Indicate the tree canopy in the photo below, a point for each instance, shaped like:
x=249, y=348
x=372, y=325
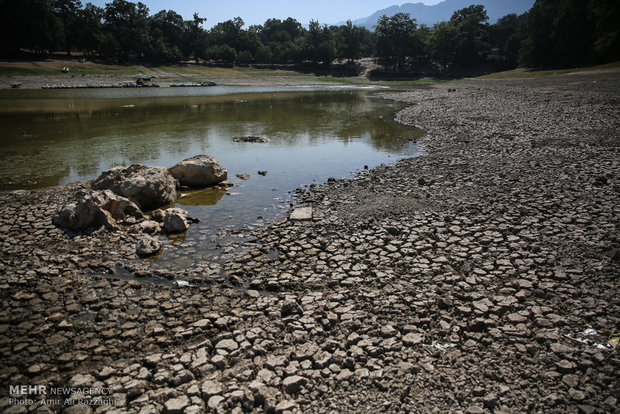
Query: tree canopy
x=553, y=33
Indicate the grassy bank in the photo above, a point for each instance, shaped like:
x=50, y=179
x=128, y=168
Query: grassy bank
x=526, y=73
x=54, y=67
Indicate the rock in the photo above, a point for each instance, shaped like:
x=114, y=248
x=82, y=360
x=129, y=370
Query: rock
x=301, y=214
x=475, y=409
x=262, y=172
x=210, y=388
x=148, y=187
x=293, y=383
x=148, y=246
x=228, y=345
x=565, y=367
x=147, y=226
x=244, y=176
x=254, y=139
x=176, y=405
x=81, y=380
x=285, y=405
x=199, y=171
x=413, y=339
x=175, y=221
x=96, y=209
x=215, y=403
x=289, y=308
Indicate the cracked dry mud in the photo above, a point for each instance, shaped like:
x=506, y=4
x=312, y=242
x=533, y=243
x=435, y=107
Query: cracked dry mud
x=479, y=277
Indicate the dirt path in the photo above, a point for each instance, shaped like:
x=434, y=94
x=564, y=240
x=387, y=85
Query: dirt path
x=479, y=277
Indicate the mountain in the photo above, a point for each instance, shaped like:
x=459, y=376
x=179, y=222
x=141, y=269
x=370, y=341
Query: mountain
x=429, y=15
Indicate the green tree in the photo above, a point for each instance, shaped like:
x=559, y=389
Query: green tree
x=606, y=40
x=349, y=41
x=222, y=54
x=505, y=37
x=28, y=24
x=472, y=30
x=128, y=23
x=442, y=44
x=167, y=36
x=319, y=45
x=68, y=13
x=195, y=38
x=396, y=40
x=90, y=28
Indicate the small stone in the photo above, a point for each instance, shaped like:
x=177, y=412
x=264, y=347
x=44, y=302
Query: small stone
x=576, y=394
x=565, y=367
x=301, y=214
x=227, y=345
x=293, y=383
x=148, y=246
x=285, y=405
x=176, y=405
x=210, y=388
x=81, y=380
x=413, y=339
x=215, y=402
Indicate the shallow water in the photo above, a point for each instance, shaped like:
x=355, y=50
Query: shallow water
x=55, y=137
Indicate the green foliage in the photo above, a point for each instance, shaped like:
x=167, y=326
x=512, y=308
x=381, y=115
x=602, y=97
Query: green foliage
x=560, y=33
x=554, y=33
x=222, y=54
x=397, y=42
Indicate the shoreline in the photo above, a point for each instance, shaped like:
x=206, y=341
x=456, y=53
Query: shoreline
x=463, y=279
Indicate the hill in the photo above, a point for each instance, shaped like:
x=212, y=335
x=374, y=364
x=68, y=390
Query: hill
x=430, y=15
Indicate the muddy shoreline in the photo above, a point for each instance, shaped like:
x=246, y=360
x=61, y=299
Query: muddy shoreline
x=479, y=277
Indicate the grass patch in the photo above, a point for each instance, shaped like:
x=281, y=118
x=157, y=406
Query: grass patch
x=366, y=81
x=522, y=73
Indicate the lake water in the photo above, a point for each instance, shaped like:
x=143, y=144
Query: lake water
x=52, y=137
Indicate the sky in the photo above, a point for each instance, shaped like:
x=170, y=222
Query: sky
x=257, y=11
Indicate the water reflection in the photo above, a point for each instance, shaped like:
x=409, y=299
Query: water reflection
x=206, y=197
x=60, y=140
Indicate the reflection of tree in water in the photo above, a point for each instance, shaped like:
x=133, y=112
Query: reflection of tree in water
x=76, y=141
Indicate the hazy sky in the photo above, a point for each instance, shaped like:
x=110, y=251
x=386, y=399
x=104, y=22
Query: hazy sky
x=257, y=11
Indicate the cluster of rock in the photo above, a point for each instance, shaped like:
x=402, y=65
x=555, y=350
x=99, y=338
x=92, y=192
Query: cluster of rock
x=120, y=196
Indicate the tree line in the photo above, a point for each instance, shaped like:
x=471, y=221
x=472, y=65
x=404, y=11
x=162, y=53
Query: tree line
x=552, y=33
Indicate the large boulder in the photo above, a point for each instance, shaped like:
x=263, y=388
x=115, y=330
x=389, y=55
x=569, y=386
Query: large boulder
x=95, y=209
x=148, y=187
x=199, y=171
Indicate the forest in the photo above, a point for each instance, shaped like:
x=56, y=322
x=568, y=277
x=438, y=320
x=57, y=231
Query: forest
x=553, y=34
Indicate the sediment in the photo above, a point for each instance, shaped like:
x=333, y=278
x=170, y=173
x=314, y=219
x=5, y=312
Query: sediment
x=479, y=277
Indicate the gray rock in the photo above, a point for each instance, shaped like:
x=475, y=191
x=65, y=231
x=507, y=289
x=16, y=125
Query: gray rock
x=95, y=209
x=81, y=380
x=148, y=246
x=147, y=226
x=176, y=405
x=148, y=187
x=175, y=221
x=210, y=388
x=199, y=171
x=413, y=339
x=227, y=345
x=301, y=214
x=285, y=405
x=293, y=383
